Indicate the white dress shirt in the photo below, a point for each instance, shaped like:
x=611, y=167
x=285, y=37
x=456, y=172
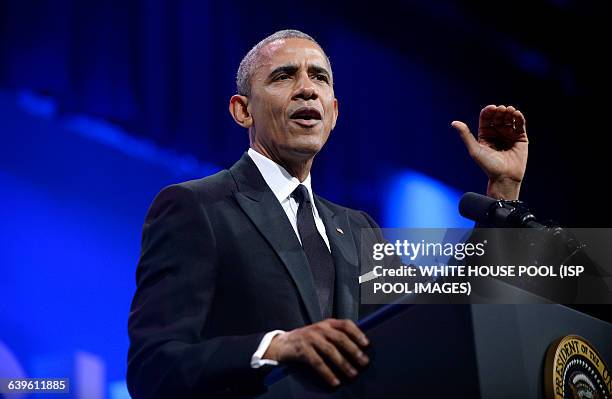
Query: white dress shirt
x=282, y=185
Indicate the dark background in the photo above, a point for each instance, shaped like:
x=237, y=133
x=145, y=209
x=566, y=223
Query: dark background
x=165, y=70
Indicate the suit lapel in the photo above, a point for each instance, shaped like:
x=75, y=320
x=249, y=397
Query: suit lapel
x=344, y=253
x=261, y=206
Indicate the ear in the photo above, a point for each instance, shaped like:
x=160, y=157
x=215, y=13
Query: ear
x=238, y=107
x=335, y=113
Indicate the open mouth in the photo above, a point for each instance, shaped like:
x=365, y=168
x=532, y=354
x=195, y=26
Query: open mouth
x=306, y=116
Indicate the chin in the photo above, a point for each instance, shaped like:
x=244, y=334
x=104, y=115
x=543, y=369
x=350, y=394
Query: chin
x=305, y=150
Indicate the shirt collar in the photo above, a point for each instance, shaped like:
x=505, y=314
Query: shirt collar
x=278, y=179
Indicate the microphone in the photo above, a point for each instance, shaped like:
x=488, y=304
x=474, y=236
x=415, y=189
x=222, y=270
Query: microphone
x=551, y=245
x=497, y=213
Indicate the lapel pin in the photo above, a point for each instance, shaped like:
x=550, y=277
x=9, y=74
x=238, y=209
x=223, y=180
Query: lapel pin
x=339, y=230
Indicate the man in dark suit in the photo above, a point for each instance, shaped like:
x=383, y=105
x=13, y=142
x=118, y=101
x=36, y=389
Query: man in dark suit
x=248, y=268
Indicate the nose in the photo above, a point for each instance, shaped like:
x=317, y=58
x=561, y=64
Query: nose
x=305, y=88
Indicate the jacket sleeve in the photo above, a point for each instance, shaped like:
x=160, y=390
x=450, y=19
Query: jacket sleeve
x=175, y=286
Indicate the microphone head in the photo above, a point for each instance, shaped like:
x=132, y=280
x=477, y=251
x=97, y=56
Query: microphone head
x=475, y=207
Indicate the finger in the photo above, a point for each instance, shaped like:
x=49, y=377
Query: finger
x=317, y=363
x=487, y=114
x=344, y=342
x=331, y=353
x=350, y=328
x=500, y=113
x=519, y=122
x=468, y=138
x=509, y=116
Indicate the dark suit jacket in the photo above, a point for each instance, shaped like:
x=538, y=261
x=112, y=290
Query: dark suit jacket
x=220, y=266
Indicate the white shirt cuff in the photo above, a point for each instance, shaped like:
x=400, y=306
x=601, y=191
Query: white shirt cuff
x=256, y=359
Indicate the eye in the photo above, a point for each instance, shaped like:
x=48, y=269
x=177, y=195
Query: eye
x=282, y=76
x=322, y=77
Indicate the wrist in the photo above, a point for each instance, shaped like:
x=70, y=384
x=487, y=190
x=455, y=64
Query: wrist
x=506, y=188
x=272, y=352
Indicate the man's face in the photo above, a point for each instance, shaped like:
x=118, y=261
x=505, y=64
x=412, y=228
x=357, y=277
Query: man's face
x=292, y=100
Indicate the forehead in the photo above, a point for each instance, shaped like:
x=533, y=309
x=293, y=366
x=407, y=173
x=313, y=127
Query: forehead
x=291, y=51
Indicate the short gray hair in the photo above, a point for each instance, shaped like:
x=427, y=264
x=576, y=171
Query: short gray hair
x=250, y=60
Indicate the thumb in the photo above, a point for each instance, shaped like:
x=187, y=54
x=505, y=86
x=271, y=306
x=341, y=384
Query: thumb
x=468, y=138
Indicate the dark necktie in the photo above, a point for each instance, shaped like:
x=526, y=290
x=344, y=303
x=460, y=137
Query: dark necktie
x=319, y=258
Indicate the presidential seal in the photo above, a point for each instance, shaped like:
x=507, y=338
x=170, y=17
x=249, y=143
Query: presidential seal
x=575, y=370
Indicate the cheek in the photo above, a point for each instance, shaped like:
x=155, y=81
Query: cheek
x=329, y=115
x=328, y=104
x=275, y=109
x=265, y=117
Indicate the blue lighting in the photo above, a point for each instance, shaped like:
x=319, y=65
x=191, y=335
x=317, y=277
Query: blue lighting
x=417, y=200
x=73, y=195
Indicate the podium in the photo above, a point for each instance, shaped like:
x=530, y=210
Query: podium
x=458, y=351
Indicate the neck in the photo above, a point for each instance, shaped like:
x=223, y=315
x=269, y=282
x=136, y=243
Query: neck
x=297, y=167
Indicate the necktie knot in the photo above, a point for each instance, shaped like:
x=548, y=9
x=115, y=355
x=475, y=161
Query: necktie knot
x=301, y=194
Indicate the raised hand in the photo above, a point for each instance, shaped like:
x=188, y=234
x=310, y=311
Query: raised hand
x=500, y=150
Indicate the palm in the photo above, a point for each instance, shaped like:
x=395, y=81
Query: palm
x=501, y=148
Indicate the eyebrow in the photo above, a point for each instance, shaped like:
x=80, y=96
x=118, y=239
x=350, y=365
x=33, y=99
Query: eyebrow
x=291, y=69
